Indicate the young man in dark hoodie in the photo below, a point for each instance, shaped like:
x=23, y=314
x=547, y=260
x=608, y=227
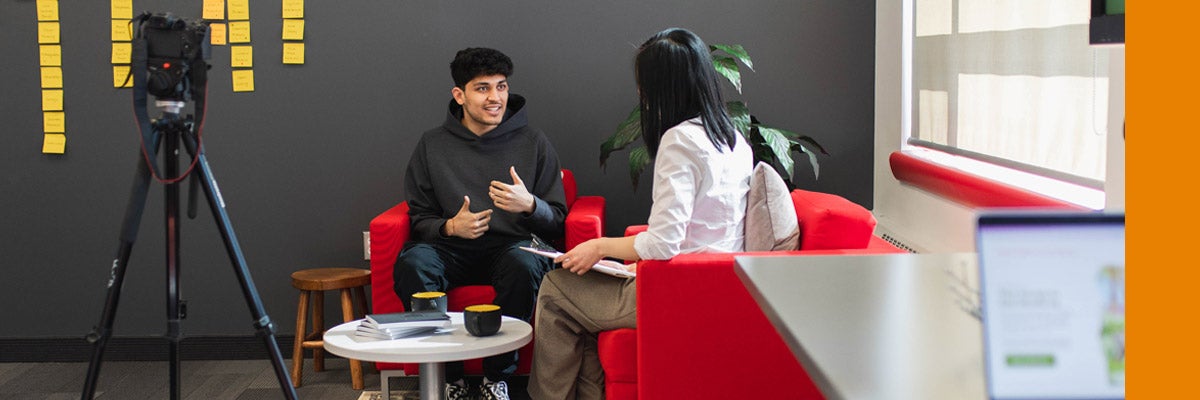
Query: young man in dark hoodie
x=477, y=187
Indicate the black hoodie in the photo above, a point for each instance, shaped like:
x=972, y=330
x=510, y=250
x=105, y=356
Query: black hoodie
x=450, y=162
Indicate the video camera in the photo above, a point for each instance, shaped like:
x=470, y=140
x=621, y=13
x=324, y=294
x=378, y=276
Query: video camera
x=173, y=47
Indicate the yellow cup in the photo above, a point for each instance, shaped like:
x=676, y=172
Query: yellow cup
x=428, y=301
x=482, y=319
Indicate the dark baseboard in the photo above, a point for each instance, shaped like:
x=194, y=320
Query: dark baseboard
x=142, y=349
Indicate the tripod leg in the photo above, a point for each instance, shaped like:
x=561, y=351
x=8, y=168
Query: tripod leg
x=174, y=334
x=262, y=323
x=129, y=228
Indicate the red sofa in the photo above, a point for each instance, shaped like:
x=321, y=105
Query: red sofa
x=389, y=231
x=700, y=334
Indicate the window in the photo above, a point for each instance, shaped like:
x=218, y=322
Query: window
x=1013, y=83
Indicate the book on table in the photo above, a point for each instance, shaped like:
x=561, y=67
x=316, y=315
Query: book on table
x=394, y=333
x=407, y=319
x=398, y=325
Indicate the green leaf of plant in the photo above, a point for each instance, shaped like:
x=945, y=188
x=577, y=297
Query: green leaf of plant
x=627, y=132
x=812, y=158
x=639, y=158
x=735, y=50
x=728, y=68
x=780, y=145
x=740, y=116
x=803, y=138
x=812, y=142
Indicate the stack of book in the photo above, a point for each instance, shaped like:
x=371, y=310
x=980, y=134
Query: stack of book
x=398, y=325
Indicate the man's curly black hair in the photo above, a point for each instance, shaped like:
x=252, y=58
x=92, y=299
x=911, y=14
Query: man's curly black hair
x=476, y=61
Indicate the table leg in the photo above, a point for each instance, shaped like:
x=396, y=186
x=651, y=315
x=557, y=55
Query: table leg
x=433, y=376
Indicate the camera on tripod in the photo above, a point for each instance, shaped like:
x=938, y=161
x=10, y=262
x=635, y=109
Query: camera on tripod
x=173, y=47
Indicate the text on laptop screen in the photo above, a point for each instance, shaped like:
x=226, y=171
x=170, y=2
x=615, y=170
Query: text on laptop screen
x=1053, y=302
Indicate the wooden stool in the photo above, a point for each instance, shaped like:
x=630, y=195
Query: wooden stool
x=315, y=282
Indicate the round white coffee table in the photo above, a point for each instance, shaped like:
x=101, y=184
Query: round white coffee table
x=430, y=351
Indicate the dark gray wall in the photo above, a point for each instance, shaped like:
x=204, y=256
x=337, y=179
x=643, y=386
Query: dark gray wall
x=317, y=150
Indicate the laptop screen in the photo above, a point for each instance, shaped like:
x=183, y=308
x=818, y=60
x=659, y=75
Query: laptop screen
x=1052, y=291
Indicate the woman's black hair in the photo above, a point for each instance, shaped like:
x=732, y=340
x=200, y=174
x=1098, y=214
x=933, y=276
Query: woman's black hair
x=676, y=82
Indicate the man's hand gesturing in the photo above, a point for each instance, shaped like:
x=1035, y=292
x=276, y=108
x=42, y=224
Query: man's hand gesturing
x=513, y=198
x=466, y=224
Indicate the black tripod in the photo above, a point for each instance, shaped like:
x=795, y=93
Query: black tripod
x=169, y=131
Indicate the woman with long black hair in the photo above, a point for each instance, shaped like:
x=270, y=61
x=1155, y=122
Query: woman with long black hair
x=701, y=181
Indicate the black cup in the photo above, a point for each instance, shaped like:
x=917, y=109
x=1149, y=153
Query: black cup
x=428, y=301
x=482, y=319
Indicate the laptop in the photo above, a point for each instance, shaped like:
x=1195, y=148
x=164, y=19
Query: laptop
x=1052, y=299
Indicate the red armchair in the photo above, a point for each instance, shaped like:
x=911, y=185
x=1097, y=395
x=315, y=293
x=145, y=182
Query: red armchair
x=700, y=334
x=389, y=231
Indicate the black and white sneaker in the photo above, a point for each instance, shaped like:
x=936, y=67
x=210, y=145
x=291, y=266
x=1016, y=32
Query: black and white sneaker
x=494, y=390
x=456, y=391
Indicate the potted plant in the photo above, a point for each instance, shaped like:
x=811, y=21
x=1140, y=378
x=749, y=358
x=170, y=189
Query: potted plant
x=771, y=145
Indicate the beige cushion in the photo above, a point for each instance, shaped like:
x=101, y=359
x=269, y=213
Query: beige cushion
x=771, y=222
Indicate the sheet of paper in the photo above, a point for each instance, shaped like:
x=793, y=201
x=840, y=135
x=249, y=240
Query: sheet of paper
x=52, y=100
x=606, y=267
x=50, y=55
x=52, y=78
x=120, y=30
x=47, y=10
x=239, y=32
x=122, y=52
x=243, y=80
x=54, y=143
x=122, y=9
x=293, y=8
x=54, y=121
x=213, y=9
x=217, y=34
x=293, y=29
x=293, y=53
x=239, y=10
x=48, y=32
x=241, y=56
x=121, y=77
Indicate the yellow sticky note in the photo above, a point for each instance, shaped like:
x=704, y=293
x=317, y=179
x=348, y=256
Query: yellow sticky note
x=54, y=121
x=52, y=78
x=239, y=10
x=243, y=80
x=293, y=8
x=239, y=32
x=121, y=77
x=120, y=30
x=214, y=9
x=54, y=143
x=51, y=55
x=52, y=100
x=121, y=52
x=217, y=34
x=293, y=53
x=47, y=10
x=293, y=29
x=241, y=56
x=48, y=32
x=122, y=9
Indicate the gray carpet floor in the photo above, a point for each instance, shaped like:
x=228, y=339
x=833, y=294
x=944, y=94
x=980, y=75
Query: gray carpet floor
x=201, y=380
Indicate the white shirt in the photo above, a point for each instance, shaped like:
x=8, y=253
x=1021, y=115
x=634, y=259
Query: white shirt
x=700, y=195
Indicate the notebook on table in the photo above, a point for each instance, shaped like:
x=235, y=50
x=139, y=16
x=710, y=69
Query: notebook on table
x=1052, y=299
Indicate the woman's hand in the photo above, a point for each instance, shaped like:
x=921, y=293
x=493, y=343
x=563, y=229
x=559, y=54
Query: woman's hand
x=581, y=258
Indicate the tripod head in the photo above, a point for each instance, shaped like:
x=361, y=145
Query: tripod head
x=169, y=62
x=176, y=50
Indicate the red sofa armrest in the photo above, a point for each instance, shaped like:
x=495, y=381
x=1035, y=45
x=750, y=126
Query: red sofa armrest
x=585, y=220
x=696, y=319
x=831, y=222
x=388, y=232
